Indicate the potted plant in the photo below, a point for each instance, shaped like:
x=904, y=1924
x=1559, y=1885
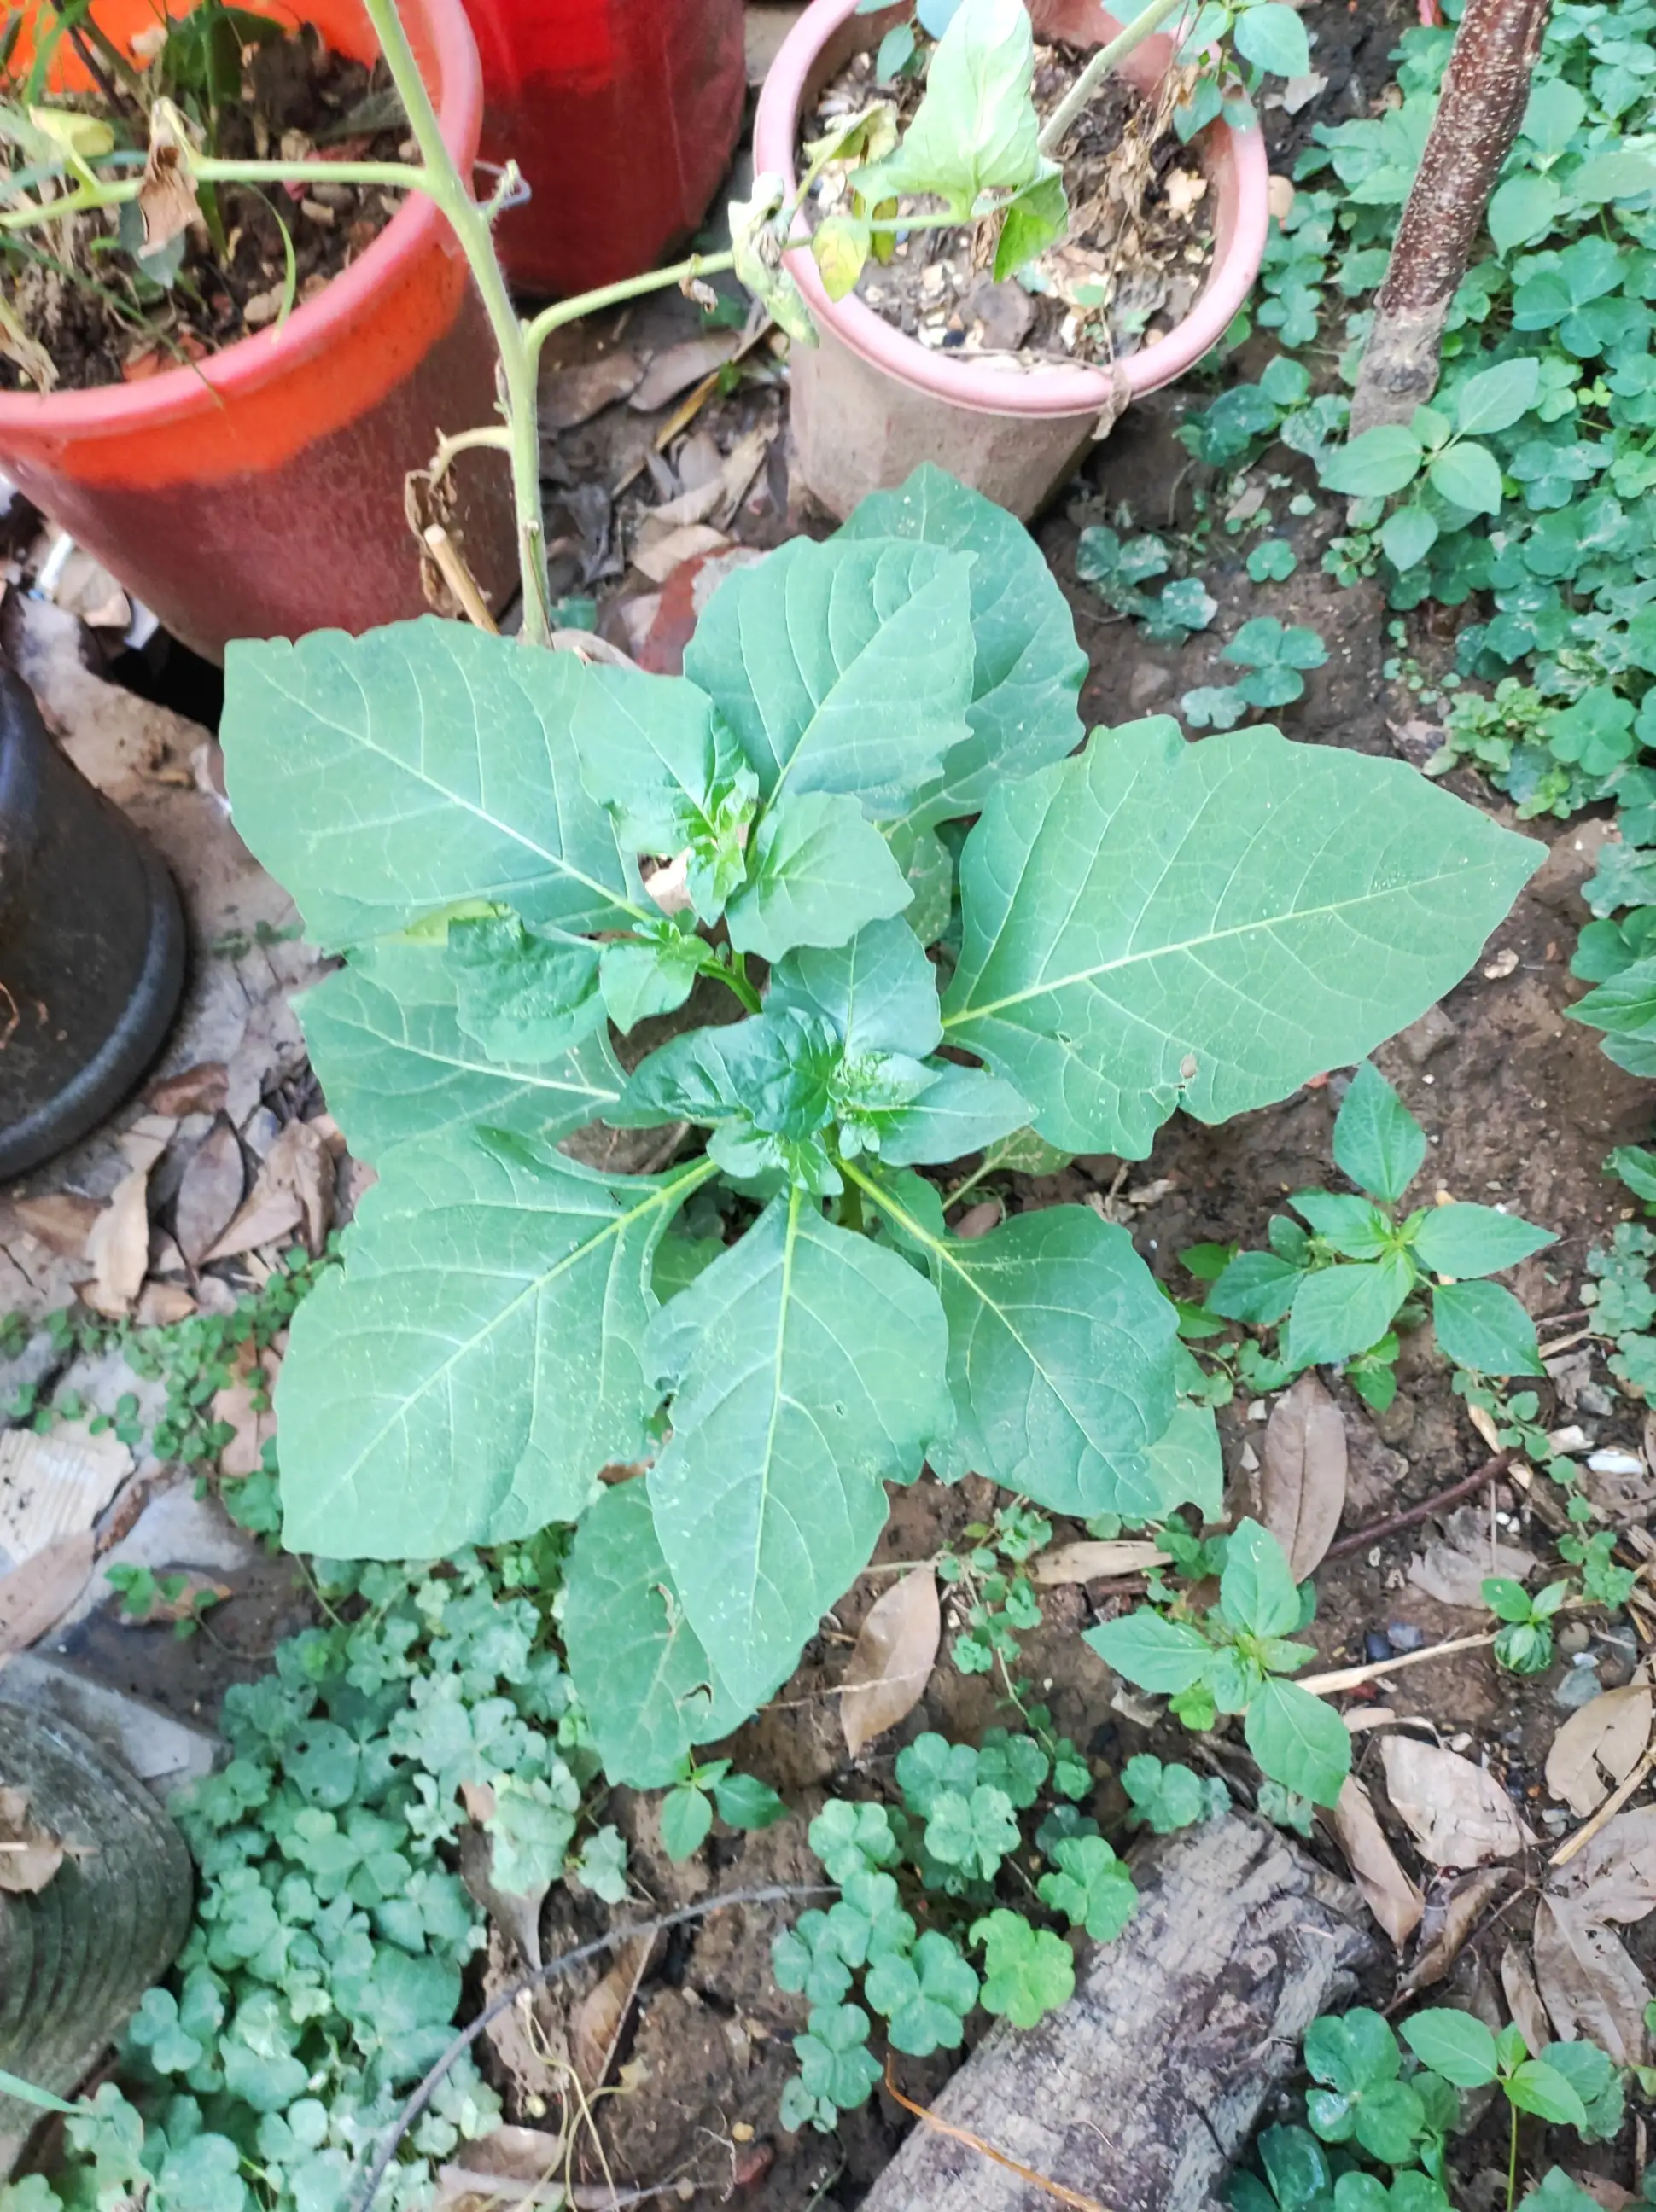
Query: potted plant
x=870, y=404
x=259, y=490
x=626, y=110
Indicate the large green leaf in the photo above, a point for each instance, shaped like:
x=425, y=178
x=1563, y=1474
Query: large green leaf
x=381, y=778
x=806, y=1371
x=1062, y=1354
x=842, y=667
x=960, y=1110
x=975, y=129
x=1157, y=923
x=644, y=1678
x=879, y=991
x=820, y=870
x=386, y=1042
x=478, y=1360
x=1029, y=669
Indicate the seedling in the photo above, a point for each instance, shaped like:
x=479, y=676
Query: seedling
x=1236, y=1658
x=1525, y=1644
x=1117, y=569
x=1274, y=655
x=1359, y=1265
x=687, y=1814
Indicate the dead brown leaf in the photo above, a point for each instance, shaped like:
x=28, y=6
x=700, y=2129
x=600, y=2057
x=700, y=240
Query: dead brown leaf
x=657, y=557
x=34, y=1597
x=167, y=196
x=1448, y=1924
x=210, y=1193
x=1589, y=1985
x=1523, y=1999
x=1302, y=1484
x=1092, y=1561
x=573, y=396
x=143, y=1144
x=293, y=1190
x=252, y=1378
x=118, y=1245
x=1459, y=1815
x=63, y=1221
x=678, y=366
x=1598, y=1746
x=595, y=2028
x=1613, y=1877
x=1452, y=1569
x=200, y=1089
x=29, y=1855
x=513, y=2165
x=891, y=1662
x=162, y=1304
x=1395, y=1901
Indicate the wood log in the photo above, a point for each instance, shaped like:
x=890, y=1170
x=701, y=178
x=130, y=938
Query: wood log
x=1142, y=2089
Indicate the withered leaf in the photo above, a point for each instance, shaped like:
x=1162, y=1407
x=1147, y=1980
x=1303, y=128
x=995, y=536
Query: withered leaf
x=1459, y=1815
x=598, y=2019
x=1303, y=1484
x=1613, y=1877
x=1524, y=2000
x=34, y=1597
x=29, y=1855
x=167, y=196
x=1395, y=1901
x=1448, y=1923
x=893, y=1660
x=1452, y=1569
x=293, y=1191
x=1092, y=1560
x=62, y=1221
x=1589, y=1985
x=199, y=1090
x=1598, y=1746
x=118, y=1245
x=210, y=1193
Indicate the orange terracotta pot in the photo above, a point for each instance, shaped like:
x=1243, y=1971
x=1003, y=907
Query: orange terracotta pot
x=259, y=493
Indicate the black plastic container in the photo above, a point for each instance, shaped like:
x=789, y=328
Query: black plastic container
x=92, y=945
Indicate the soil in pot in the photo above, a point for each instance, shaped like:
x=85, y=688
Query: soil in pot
x=1136, y=257
x=93, y=308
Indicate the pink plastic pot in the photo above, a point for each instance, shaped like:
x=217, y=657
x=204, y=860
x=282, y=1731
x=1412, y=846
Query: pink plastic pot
x=870, y=404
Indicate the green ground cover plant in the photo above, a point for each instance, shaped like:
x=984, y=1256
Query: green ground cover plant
x=324, y=1970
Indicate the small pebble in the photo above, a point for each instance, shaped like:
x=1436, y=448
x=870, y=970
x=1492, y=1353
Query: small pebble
x=1573, y=1636
x=1617, y=1462
x=1580, y=1686
x=1404, y=1636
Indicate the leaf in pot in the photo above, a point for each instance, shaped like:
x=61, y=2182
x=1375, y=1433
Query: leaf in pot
x=1149, y=874
x=892, y=1659
x=799, y=1334
x=975, y=130
x=385, y=1038
x=459, y=755
x=1303, y=1481
x=417, y=1397
x=844, y=667
x=1027, y=668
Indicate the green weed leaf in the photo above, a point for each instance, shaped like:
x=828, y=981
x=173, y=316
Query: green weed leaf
x=1153, y=1653
x=1027, y=1971
x=1299, y=1740
x=1092, y=1888
x=975, y=130
x=1339, y=1312
x=1376, y=463
x=1377, y=1141
x=1477, y=1240
x=925, y=1998
x=820, y=870
x=1455, y=2044
x=1483, y=1327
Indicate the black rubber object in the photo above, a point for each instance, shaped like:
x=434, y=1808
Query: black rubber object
x=92, y=945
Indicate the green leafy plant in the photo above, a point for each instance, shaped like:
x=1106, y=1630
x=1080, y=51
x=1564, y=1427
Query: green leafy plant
x=1524, y=1644
x=176, y=1597
x=1337, y=1285
x=1000, y=1601
x=324, y=1967
x=741, y=1801
x=1274, y=656
x=961, y=1828
x=1378, y=2103
x=1236, y=1658
x=1117, y=569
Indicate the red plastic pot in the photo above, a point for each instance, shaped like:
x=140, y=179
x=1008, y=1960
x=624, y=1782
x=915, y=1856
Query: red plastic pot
x=622, y=116
x=870, y=404
x=259, y=493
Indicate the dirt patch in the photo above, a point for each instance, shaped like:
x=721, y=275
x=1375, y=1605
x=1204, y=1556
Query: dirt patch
x=104, y=317
x=1135, y=257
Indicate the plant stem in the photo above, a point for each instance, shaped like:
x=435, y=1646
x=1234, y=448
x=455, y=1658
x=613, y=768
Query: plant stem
x=549, y=320
x=443, y=180
x=850, y=1208
x=1057, y=124
x=1511, y=2162
x=736, y=977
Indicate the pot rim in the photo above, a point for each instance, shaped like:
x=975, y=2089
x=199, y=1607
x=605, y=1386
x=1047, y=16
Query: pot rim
x=316, y=326
x=1041, y=391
